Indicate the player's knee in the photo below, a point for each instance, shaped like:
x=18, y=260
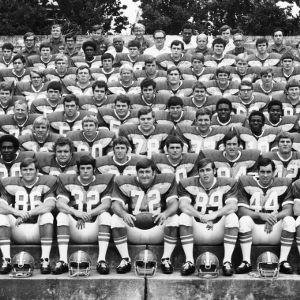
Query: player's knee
x=231, y=221
x=245, y=224
x=289, y=224
x=104, y=219
x=4, y=221
x=62, y=219
x=46, y=218
x=185, y=220
x=172, y=221
x=117, y=222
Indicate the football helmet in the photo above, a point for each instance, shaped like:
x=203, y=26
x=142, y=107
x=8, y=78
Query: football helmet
x=22, y=265
x=207, y=265
x=79, y=264
x=268, y=265
x=145, y=264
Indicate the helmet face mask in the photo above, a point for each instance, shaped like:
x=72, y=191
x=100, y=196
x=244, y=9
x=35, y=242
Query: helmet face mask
x=207, y=265
x=145, y=265
x=79, y=264
x=268, y=265
x=22, y=265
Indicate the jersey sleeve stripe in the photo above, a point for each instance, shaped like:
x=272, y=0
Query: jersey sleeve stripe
x=171, y=198
x=185, y=198
x=62, y=197
x=243, y=205
x=231, y=200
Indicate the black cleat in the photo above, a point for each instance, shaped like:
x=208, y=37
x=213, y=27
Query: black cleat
x=187, y=268
x=285, y=267
x=227, y=269
x=243, y=268
x=124, y=266
x=102, y=267
x=166, y=266
x=5, y=267
x=60, y=268
x=45, y=266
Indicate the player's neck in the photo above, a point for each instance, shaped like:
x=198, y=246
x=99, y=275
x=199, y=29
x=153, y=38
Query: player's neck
x=208, y=185
x=122, y=161
x=285, y=156
x=174, y=161
x=86, y=182
x=30, y=183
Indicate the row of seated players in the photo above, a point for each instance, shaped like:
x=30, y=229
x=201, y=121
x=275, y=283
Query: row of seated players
x=148, y=208
x=127, y=78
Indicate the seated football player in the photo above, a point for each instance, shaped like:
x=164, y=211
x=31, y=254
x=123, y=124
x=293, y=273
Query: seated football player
x=113, y=118
x=11, y=156
x=289, y=97
x=175, y=113
x=126, y=83
x=275, y=118
x=150, y=216
x=41, y=139
x=35, y=88
x=242, y=71
x=262, y=57
x=222, y=84
x=20, y=122
x=18, y=73
x=199, y=98
x=26, y=205
x=208, y=205
x=62, y=160
x=173, y=84
x=197, y=71
x=6, y=98
x=96, y=141
x=7, y=55
x=133, y=58
x=149, y=96
x=90, y=59
x=70, y=118
x=147, y=137
x=257, y=136
x=71, y=48
x=82, y=85
x=122, y=162
x=201, y=135
x=218, y=57
x=83, y=201
x=99, y=99
x=232, y=162
x=51, y=102
x=175, y=161
x=44, y=60
x=267, y=85
x=225, y=116
x=265, y=208
x=177, y=57
x=150, y=70
x=287, y=69
x=246, y=101
x=61, y=71
x=287, y=161
x=106, y=71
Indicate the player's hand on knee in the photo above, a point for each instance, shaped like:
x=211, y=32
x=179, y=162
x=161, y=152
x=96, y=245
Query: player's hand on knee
x=83, y=215
x=129, y=219
x=160, y=218
x=80, y=224
x=19, y=221
x=24, y=215
x=271, y=219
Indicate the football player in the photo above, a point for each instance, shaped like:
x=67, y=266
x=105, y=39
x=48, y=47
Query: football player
x=11, y=156
x=146, y=137
x=121, y=162
x=41, y=139
x=151, y=193
x=208, y=205
x=51, y=102
x=43, y=60
x=96, y=141
x=26, y=205
x=265, y=208
x=232, y=162
x=83, y=201
x=174, y=161
x=225, y=116
x=70, y=118
x=106, y=72
x=20, y=122
x=149, y=71
x=242, y=71
x=7, y=55
x=61, y=160
x=287, y=161
x=201, y=135
x=6, y=98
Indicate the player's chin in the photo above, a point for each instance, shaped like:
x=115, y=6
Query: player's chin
x=144, y=220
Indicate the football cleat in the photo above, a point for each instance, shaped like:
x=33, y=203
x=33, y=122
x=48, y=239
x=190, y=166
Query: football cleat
x=207, y=265
x=5, y=267
x=166, y=266
x=268, y=265
x=227, y=269
x=22, y=265
x=60, y=268
x=243, y=268
x=124, y=266
x=79, y=264
x=285, y=267
x=145, y=264
x=187, y=268
x=45, y=266
x=102, y=267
